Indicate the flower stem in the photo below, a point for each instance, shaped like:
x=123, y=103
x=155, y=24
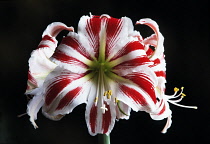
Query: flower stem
x=103, y=139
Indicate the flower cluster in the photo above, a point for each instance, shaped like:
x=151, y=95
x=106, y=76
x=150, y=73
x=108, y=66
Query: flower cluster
x=107, y=65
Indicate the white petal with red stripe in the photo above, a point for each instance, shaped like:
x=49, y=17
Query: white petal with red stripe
x=64, y=90
x=97, y=120
x=135, y=97
x=160, y=39
x=39, y=64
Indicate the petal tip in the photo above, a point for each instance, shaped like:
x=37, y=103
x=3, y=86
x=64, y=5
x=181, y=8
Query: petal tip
x=143, y=21
x=55, y=28
x=33, y=123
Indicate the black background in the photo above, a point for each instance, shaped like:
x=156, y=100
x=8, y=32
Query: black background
x=185, y=26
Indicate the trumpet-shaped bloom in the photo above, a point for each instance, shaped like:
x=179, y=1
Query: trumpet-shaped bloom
x=107, y=65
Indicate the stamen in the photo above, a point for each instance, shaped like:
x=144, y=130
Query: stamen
x=184, y=106
x=175, y=101
x=20, y=115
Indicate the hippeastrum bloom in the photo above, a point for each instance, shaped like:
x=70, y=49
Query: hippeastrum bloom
x=107, y=65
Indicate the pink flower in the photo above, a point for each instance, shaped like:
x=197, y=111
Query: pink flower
x=107, y=65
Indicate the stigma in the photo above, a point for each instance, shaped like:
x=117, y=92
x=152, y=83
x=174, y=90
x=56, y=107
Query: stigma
x=104, y=109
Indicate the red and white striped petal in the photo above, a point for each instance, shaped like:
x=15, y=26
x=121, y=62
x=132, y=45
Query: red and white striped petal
x=130, y=56
x=151, y=40
x=119, y=32
x=131, y=59
x=156, y=40
x=110, y=34
x=160, y=39
x=90, y=28
x=159, y=67
x=55, y=28
x=63, y=91
x=99, y=122
x=74, y=53
x=39, y=67
x=136, y=97
x=162, y=112
x=132, y=46
x=39, y=64
x=144, y=81
x=131, y=65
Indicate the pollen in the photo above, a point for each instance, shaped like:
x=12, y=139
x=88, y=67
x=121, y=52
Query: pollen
x=176, y=89
x=96, y=99
x=108, y=94
x=116, y=100
x=183, y=95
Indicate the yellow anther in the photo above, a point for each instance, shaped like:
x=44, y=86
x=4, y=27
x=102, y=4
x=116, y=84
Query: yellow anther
x=183, y=95
x=116, y=100
x=176, y=89
x=96, y=99
x=108, y=94
x=182, y=88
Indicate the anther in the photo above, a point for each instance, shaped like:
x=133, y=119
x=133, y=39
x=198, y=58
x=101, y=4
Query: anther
x=183, y=95
x=176, y=89
x=116, y=100
x=105, y=93
x=108, y=94
x=96, y=100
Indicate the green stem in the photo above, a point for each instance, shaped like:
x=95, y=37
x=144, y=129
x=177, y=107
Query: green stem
x=103, y=139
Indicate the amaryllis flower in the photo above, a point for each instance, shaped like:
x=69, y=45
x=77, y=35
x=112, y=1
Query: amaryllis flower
x=107, y=65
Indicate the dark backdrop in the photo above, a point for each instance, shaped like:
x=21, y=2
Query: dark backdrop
x=185, y=26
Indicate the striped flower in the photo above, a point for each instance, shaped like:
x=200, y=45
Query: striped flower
x=107, y=65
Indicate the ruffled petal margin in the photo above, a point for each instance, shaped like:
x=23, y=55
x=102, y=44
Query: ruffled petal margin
x=39, y=64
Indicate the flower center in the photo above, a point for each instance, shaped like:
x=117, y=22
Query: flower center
x=100, y=70
x=100, y=67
